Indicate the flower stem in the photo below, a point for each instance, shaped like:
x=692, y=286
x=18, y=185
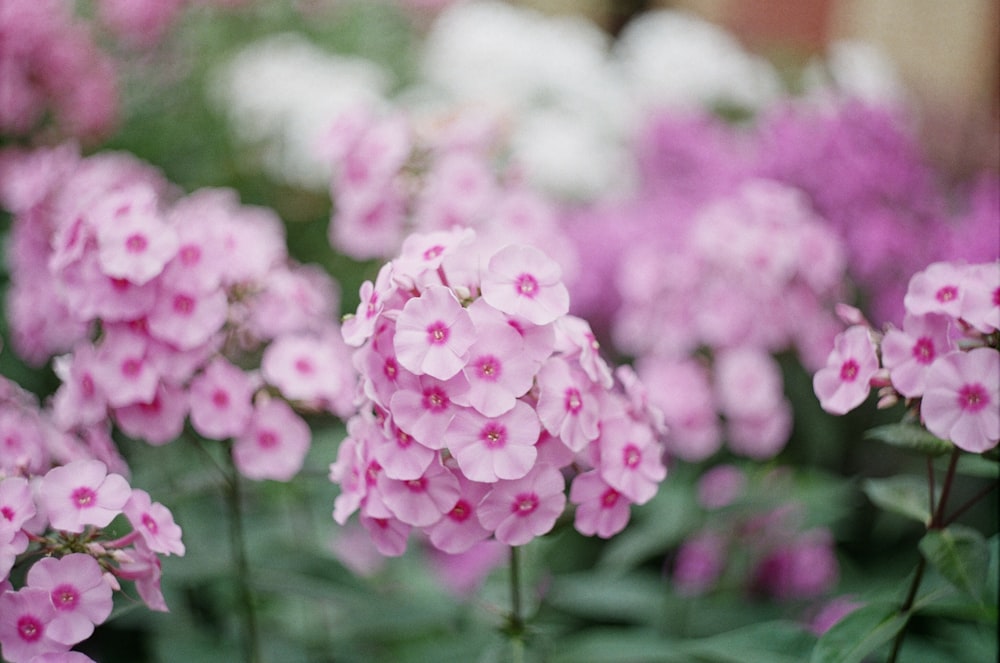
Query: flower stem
x=515, y=621
x=251, y=639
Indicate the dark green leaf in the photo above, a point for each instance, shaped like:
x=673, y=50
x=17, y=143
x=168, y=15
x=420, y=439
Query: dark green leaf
x=912, y=437
x=858, y=634
x=961, y=555
x=618, y=646
x=633, y=598
x=766, y=642
x=903, y=495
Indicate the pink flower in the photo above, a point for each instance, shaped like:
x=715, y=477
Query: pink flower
x=79, y=593
x=143, y=567
x=221, y=400
x=433, y=334
x=359, y=327
x=721, y=486
x=962, y=400
x=459, y=530
x=422, y=501
x=630, y=459
x=601, y=509
x=523, y=282
x=681, y=389
x=134, y=242
x=274, y=445
x=123, y=371
x=427, y=411
x=844, y=383
x=566, y=406
x=492, y=448
x=25, y=617
x=517, y=511
x=498, y=369
x=82, y=493
x=937, y=289
x=16, y=504
x=388, y=534
x=159, y=421
x=78, y=401
x=699, y=564
x=312, y=369
x=155, y=523
x=400, y=455
x=186, y=318
x=981, y=303
x=909, y=353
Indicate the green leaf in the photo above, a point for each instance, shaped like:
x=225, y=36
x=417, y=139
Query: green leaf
x=911, y=437
x=858, y=634
x=975, y=465
x=636, y=598
x=618, y=646
x=904, y=495
x=766, y=642
x=961, y=555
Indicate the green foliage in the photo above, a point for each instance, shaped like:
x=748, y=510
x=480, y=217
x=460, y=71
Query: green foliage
x=961, y=555
x=904, y=495
x=911, y=437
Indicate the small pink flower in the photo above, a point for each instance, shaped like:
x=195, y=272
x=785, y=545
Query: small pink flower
x=962, y=400
x=499, y=371
x=426, y=411
x=422, y=501
x=522, y=281
x=25, y=616
x=909, y=352
x=433, y=334
x=155, y=524
x=123, y=370
x=981, y=303
x=601, y=509
x=699, y=564
x=566, y=405
x=388, y=534
x=492, y=448
x=159, y=421
x=79, y=593
x=143, y=567
x=721, y=486
x=359, y=327
x=400, y=455
x=16, y=504
x=186, y=318
x=78, y=401
x=937, y=289
x=459, y=530
x=221, y=400
x=517, y=511
x=844, y=383
x=630, y=459
x=274, y=445
x=82, y=493
x=134, y=242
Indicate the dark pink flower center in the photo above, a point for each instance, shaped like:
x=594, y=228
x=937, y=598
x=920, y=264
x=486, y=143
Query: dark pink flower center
x=946, y=294
x=371, y=473
x=7, y=513
x=609, y=498
x=87, y=386
x=524, y=504
x=849, y=370
x=83, y=497
x=30, y=628
x=526, y=285
x=189, y=254
x=120, y=285
x=303, y=366
x=923, y=350
x=403, y=439
x=433, y=252
x=461, y=511
x=573, y=402
x=267, y=439
x=487, y=367
x=494, y=435
x=973, y=397
x=220, y=398
x=136, y=243
x=416, y=485
x=184, y=304
x=131, y=367
x=150, y=523
x=390, y=368
x=435, y=400
x=631, y=455
x=437, y=333
x=65, y=597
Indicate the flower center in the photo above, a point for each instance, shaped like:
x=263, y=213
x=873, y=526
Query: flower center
x=849, y=370
x=7, y=513
x=526, y=285
x=437, y=333
x=390, y=368
x=189, y=254
x=220, y=398
x=87, y=386
x=416, y=485
x=136, y=243
x=946, y=294
x=524, y=504
x=609, y=498
x=631, y=455
x=461, y=511
x=488, y=368
x=65, y=597
x=973, y=397
x=184, y=304
x=435, y=400
x=303, y=366
x=83, y=497
x=131, y=367
x=923, y=350
x=573, y=402
x=494, y=435
x=267, y=439
x=403, y=440
x=433, y=252
x=29, y=628
x=150, y=523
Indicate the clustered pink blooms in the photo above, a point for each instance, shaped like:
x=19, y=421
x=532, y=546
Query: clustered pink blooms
x=768, y=553
x=396, y=175
x=944, y=361
x=61, y=516
x=482, y=397
x=160, y=307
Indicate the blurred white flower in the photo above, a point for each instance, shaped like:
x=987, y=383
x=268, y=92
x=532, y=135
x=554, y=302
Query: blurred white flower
x=859, y=70
x=282, y=93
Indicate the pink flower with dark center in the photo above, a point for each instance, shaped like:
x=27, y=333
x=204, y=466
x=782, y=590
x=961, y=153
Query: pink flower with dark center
x=400, y=455
x=78, y=401
x=908, y=353
x=134, y=242
x=427, y=411
x=79, y=593
x=221, y=400
x=699, y=564
x=630, y=459
x=459, y=529
x=522, y=281
x=16, y=504
x=422, y=501
x=143, y=567
x=601, y=509
x=499, y=371
x=566, y=406
x=937, y=289
x=388, y=534
x=844, y=383
x=359, y=327
x=122, y=369
x=275, y=443
x=25, y=616
x=155, y=524
x=433, y=334
x=187, y=319
x=488, y=449
x=517, y=511
x=981, y=303
x=82, y=493
x=961, y=402
x=159, y=421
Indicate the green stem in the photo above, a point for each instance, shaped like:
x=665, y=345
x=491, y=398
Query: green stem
x=248, y=610
x=515, y=621
x=937, y=522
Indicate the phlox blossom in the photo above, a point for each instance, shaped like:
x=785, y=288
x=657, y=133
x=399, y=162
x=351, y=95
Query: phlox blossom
x=155, y=523
x=221, y=400
x=936, y=289
x=630, y=459
x=909, y=352
x=519, y=510
x=459, y=530
x=566, y=406
x=844, y=383
x=601, y=509
x=82, y=493
x=422, y=501
x=491, y=448
x=134, y=241
x=433, y=334
x=522, y=281
x=274, y=444
x=25, y=616
x=79, y=593
x=498, y=369
x=962, y=400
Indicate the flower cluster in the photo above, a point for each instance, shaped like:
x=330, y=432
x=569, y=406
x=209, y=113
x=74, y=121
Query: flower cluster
x=944, y=361
x=481, y=396
x=161, y=304
x=66, y=517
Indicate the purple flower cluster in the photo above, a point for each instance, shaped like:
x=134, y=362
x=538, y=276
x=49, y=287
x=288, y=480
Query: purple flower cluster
x=944, y=361
x=62, y=515
x=162, y=305
x=481, y=397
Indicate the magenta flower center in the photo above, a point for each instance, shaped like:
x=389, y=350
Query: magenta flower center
x=437, y=333
x=136, y=243
x=220, y=398
x=267, y=439
x=433, y=252
x=460, y=512
x=973, y=397
x=946, y=294
x=7, y=513
x=390, y=368
x=120, y=285
x=923, y=350
x=573, y=402
x=184, y=304
x=87, y=386
x=371, y=473
x=189, y=254
x=524, y=504
x=150, y=523
x=65, y=597
x=527, y=285
x=609, y=498
x=131, y=367
x=435, y=400
x=631, y=455
x=403, y=440
x=494, y=435
x=83, y=497
x=303, y=366
x=417, y=485
x=488, y=368
x=29, y=628
x=849, y=370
